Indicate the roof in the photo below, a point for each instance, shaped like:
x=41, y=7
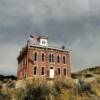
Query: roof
x=40, y=36
x=50, y=47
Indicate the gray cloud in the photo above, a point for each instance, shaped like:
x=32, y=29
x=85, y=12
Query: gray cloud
x=74, y=23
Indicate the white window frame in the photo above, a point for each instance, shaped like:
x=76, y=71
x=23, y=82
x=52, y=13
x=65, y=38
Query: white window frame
x=52, y=59
x=34, y=56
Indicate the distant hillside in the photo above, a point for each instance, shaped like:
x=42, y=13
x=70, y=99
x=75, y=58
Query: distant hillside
x=89, y=72
x=12, y=77
x=93, y=70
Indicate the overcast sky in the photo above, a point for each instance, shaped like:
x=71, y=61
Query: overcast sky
x=73, y=23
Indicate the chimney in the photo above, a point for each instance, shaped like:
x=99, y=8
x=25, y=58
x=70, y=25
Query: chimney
x=63, y=47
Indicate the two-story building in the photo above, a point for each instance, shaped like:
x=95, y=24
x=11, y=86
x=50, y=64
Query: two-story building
x=38, y=59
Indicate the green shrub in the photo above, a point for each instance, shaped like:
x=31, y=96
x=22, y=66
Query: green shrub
x=61, y=83
x=37, y=93
x=84, y=87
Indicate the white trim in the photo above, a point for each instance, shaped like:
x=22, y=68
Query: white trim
x=52, y=56
x=43, y=42
x=56, y=48
x=51, y=72
x=34, y=56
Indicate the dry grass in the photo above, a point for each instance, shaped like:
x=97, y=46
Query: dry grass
x=58, y=89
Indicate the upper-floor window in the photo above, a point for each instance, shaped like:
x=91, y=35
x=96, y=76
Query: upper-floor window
x=35, y=56
x=64, y=60
x=52, y=58
x=58, y=60
x=49, y=57
x=43, y=42
x=43, y=57
x=35, y=70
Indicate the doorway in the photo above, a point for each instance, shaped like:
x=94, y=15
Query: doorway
x=51, y=72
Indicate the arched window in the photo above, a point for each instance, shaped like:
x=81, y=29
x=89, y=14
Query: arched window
x=52, y=58
x=35, y=70
x=35, y=56
x=49, y=57
x=59, y=71
x=65, y=72
x=43, y=71
x=58, y=59
x=43, y=57
x=63, y=59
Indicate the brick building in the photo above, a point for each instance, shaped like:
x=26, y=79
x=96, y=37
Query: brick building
x=38, y=59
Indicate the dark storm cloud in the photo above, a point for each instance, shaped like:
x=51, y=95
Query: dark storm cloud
x=74, y=23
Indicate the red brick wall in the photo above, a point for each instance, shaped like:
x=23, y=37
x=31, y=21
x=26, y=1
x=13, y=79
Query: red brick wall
x=28, y=68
